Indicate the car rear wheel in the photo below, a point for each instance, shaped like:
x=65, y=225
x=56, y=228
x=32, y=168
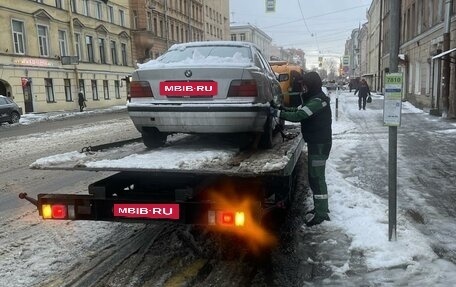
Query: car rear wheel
x=14, y=118
x=153, y=138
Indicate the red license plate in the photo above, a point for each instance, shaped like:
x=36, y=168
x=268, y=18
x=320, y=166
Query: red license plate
x=188, y=89
x=147, y=210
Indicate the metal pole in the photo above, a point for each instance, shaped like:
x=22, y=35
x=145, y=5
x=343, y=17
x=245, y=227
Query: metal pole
x=395, y=6
x=380, y=36
x=446, y=71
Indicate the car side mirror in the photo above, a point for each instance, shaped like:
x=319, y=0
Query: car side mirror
x=283, y=77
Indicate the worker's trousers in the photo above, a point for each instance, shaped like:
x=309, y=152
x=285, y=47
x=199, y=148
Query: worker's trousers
x=316, y=164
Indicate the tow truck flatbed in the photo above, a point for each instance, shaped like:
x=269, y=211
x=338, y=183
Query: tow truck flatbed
x=190, y=181
x=209, y=156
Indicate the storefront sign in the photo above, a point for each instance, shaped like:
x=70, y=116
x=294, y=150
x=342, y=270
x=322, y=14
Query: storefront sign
x=392, y=104
x=33, y=62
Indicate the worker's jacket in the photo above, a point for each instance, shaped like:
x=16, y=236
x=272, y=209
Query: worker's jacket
x=315, y=118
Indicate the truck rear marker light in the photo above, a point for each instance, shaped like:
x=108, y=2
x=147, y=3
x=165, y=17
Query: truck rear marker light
x=211, y=217
x=226, y=218
x=54, y=211
x=71, y=212
x=46, y=211
x=239, y=219
x=59, y=211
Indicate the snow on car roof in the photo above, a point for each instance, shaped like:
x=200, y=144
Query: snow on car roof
x=236, y=60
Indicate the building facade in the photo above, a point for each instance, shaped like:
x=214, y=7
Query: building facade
x=158, y=24
x=52, y=49
x=216, y=19
x=422, y=38
x=250, y=33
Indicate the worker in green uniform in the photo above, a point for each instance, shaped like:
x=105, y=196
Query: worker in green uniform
x=315, y=117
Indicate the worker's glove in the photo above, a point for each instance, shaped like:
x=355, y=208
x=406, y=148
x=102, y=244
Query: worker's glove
x=274, y=112
x=275, y=106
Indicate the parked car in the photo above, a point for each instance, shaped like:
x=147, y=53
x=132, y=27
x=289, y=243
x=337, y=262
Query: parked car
x=204, y=87
x=9, y=111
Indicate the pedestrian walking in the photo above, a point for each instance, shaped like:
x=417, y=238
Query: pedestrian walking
x=315, y=118
x=81, y=101
x=363, y=91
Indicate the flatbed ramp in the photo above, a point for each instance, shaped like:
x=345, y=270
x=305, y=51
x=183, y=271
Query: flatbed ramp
x=190, y=154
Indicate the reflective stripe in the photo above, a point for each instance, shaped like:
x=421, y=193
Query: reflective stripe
x=320, y=196
x=318, y=162
x=307, y=110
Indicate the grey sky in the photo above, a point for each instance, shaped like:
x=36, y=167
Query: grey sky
x=328, y=23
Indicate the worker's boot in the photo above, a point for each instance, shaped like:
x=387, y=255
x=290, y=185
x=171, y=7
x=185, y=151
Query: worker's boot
x=314, y=218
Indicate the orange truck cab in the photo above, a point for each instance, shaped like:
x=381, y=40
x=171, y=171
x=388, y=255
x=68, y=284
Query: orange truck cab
x=284, y=67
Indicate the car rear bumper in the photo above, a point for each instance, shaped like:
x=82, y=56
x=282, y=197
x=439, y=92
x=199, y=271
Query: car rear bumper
x=199, y=119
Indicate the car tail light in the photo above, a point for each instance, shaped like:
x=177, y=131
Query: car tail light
x=243, y=88
x=140, y=89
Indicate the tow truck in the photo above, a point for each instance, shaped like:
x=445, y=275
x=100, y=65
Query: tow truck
x=227, y=187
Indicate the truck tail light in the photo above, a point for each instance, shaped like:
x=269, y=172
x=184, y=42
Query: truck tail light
x=140, y=89
x=54, y=211
x=226, y=218
x=243, y=88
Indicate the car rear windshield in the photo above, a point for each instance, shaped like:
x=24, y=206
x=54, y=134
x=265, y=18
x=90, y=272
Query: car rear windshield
x=181, y=54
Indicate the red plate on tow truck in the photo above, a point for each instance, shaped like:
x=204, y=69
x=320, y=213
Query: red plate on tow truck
x=147, y=210
x=188, y=88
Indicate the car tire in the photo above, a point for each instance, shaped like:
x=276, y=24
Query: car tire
x=268, y=134
x=15, y=117
x=153, y=139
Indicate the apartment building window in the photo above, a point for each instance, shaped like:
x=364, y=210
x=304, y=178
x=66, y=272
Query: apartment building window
x=94, y=90
x=58, y=4
x=63, y=43
x=122, y=18
x=233, y=37
x=106, y=89
x=49, y=89
x=85, y=7
x=117, y=88
x=99, y=10
x=74, y=7
x=43, y=40
x=242, y=36
x=161, y=28
x=77, y=40
x=114, y=59
x=172, y=31
x=18, y=37
x=155, y=26
x=123, y=48
x=111, y=14
x=149, y=21
x=89, y=45
x=177, y=33
x=102, y=50
x=135, y=19
x=82, y=87
x=67, y=84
